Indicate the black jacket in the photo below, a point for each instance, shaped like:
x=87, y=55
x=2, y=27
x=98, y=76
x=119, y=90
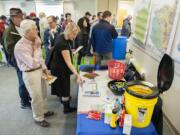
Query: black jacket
x=82, y=40
x=88, y=23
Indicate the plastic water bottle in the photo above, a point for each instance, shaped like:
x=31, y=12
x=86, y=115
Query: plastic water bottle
x=117, y=105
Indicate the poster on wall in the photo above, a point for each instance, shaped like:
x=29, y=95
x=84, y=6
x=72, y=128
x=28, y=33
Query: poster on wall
x=175, y=53
x=162, y=27
x=141, y=21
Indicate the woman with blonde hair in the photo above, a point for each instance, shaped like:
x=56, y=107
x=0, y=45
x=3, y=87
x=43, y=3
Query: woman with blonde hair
x=62, y=66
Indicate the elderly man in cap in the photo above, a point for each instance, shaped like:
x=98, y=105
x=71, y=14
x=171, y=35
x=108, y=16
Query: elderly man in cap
x=30, y=61
x=11, y=36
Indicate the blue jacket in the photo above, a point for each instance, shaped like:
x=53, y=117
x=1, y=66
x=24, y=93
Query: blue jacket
x=102, y=35
x=48, y=38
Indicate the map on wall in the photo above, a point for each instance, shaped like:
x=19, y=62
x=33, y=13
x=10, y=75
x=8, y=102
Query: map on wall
x=162, y=27
x=141, y=19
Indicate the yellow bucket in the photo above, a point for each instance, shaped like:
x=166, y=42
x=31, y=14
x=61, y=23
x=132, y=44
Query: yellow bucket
x=140, y=104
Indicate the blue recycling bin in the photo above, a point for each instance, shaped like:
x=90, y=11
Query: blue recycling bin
x=119, y=48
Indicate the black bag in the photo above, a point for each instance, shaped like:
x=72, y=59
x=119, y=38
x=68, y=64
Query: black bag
x=2, y=42
x=131, y=73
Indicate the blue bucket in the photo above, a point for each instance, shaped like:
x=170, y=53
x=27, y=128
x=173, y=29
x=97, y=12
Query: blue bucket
x=119, y=48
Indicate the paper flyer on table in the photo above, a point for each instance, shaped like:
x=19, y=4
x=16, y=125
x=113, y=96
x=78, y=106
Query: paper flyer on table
x=90, y=89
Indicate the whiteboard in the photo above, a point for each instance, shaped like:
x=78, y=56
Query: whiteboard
x=49, y=9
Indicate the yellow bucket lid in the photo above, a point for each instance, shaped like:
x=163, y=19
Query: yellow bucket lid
x=142, y=89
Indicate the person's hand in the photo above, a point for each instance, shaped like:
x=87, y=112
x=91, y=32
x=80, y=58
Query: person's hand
x=53, y=31
x=49, y=47
x=73, y=50
x=47, y=72
x=80, y=80
x=37, y=43
x=91, y=51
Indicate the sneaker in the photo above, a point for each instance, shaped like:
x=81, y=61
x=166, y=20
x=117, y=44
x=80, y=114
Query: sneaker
x=25, y=106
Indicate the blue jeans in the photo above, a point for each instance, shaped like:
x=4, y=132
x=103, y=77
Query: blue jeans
x=23, y=93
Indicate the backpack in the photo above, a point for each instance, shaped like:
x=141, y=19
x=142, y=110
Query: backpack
x=2, y=42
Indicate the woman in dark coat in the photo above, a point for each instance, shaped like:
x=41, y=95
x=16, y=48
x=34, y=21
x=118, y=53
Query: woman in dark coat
x=62, y=66
x=82, y=39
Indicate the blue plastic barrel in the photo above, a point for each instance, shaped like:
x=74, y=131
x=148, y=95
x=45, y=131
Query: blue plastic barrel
x=119, y=48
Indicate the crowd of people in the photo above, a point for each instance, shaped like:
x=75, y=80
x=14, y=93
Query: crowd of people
x=23, y=38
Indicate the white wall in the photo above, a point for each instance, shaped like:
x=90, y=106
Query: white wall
x=127, y=5
x=78, y=8
x=49, y=7
x=83, y=6
x=1, y=8
x=69, y=7
x=171, y=98
x=28, y=6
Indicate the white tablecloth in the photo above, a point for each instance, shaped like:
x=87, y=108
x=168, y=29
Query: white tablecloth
x=90, y=127
x=85, y=103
